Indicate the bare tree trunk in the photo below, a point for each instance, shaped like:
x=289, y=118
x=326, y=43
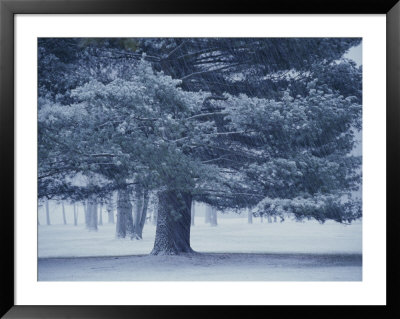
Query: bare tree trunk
x=139, y=229
x=249, y=217
x=63, y=213
x=38, y=221
x=75, y=216
x=173, y=224
x=155, y=212
x=207, y=218
x=213, y=217
x=123, y=208
x=39, y=208
x=193, y=212
x=92, y=214
x=124, y=224
x=138, y=211
x=110, y=211
x=47, y=213
x=101, y=215
x=85, y=209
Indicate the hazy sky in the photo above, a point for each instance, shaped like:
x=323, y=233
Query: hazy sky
x=355, y=53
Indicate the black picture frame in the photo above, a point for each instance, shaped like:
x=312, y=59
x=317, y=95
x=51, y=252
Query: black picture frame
x=8, y=8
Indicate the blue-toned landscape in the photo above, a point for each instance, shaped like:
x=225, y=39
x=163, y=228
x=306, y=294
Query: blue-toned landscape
x=188, y=159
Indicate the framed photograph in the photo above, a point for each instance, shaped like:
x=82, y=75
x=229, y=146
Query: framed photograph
x=160, y=154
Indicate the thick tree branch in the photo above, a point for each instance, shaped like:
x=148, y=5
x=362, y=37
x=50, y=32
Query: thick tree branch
x=186, y=77
x=175, y=50
x=205, y=115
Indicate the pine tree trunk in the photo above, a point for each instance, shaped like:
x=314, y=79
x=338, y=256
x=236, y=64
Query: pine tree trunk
x=207, y=217
x=101, y=215
x=111, y=217
x=155, y=211
x=173, y=223
x=138, y=211
x=63, y=213
x=92, y=214
x=155, y=215
x=75, y=216
x=261, y=219
x=274, y=219
x=47, y=213
x=269, y=219
x=249, y=217
x=110, y=212
x=193, y=212
x=85, y=210
x=139, y=229
x=213, y=217
x=124, y=224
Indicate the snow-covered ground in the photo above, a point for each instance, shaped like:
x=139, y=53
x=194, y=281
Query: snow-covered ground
x=234, y=250
x=231, y=235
